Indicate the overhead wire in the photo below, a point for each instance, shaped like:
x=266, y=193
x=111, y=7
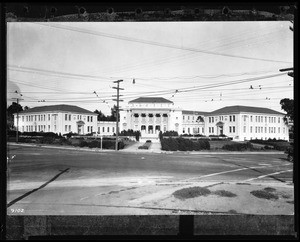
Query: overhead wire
x=119, y=37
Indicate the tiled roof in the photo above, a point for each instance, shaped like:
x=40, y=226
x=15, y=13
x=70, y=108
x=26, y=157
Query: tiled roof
x=247, y=109
x=194, y=112
x=150, y=100
x=57, y=108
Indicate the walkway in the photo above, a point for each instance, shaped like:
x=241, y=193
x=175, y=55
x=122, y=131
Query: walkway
x=155, y=148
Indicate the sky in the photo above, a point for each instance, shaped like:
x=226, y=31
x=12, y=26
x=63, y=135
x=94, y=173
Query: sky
x=201, y=66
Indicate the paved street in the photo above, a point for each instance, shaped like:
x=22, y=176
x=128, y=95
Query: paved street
x=44, y=181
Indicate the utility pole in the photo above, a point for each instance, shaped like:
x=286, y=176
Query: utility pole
x=117, y=111
x=17, y=135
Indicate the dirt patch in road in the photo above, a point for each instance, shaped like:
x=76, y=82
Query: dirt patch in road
x=264, y=194
x=191, y=192
x=224, y=193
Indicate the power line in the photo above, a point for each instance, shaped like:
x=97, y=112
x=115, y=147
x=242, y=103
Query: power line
x=96, y=33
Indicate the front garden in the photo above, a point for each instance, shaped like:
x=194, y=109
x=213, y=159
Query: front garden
x=50, y=138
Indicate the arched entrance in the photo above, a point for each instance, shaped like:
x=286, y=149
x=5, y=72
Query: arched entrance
x=220, y=128
x=80, y=127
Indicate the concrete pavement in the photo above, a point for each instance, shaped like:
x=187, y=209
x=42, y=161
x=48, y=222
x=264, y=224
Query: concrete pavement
x=120, y=183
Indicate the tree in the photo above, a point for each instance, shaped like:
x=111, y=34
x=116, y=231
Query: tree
x=288, y=106
x=101, y=116
x=13, y=108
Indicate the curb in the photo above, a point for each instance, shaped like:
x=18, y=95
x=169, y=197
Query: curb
x=149, y=151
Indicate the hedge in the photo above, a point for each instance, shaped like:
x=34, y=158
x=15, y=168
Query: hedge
x=106, y=144
x=280, y=145
x=238, y=146
x=181, y=144
x=170, y=133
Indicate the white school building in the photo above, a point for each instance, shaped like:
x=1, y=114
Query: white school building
x=150, y=115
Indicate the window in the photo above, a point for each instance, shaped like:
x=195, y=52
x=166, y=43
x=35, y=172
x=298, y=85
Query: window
x=233, y=118
x=250, y=129
x=278, y=119
x=113, y=129
x=283, y=130
x=91, y=118
x=88, y=129
x=188, y=130
x=255, y=129
x=250, y=118
x=209, y=119
x=107, y=129
x=230, y=118
x=54, y=127
x=230, y=130
x=103, y=129
x=209, y=129
x=48, y=117
x=91, y=129
x=183, y=130
x=88, y=118
x=69, y=128
x=233, y=129
x=44, y=117
x=244, y=129
x=48, y=127
x=183, y=117
x=265, y=119
x=69, y=117
x=245, y=118
x=188, y=117
x=278, y=130
x=66, y=128
x=212, y=129
x=212, y=119
x=66, y=116
x=265, y=129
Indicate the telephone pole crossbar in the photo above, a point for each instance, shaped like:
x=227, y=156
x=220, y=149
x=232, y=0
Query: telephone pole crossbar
x=117, y=111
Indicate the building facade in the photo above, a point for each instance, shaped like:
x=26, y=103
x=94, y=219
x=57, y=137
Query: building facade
x=150, y=115
x=57, y=119
x=246, y=123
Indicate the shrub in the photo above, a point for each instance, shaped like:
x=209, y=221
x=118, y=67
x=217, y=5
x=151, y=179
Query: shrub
x=44, y=134
x=83, y=143
x=47, y=140
x=173, y=144
x=13, y=133
x=137, y=135
x=145, y=146
x=160, y=135
x=170, y=133
x=70, y=134
x=238, y=146
x=290, y=153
